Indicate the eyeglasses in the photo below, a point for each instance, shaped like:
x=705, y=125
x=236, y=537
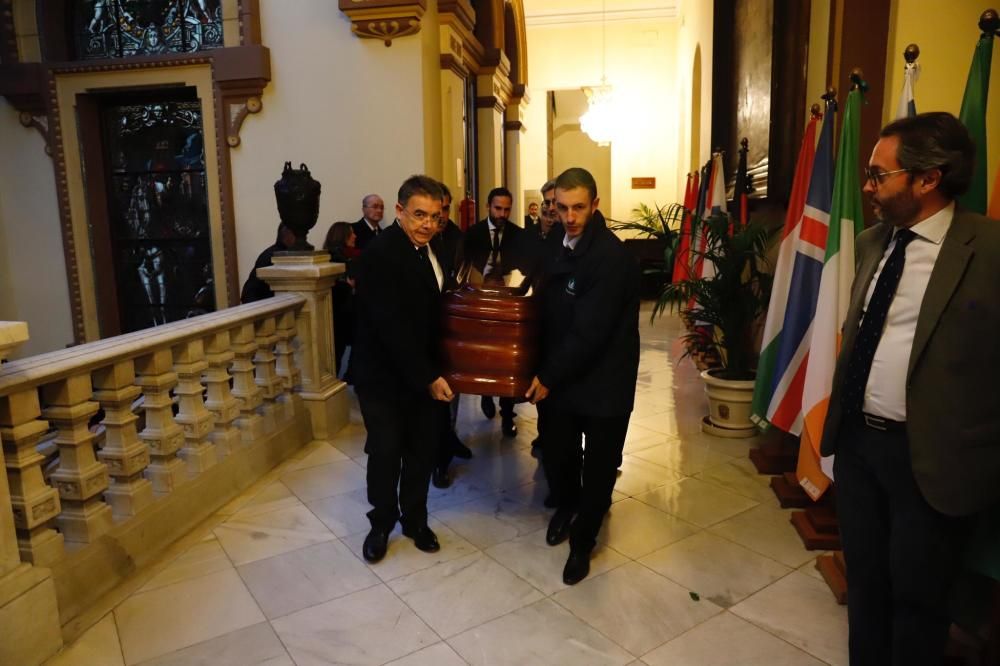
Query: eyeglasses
x=422, y=216
x=876, y=177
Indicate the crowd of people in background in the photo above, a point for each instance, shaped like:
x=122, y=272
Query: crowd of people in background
x=387, y=312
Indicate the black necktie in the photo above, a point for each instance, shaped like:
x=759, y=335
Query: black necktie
x=872, y=324
x=425, y=260
x=495, y=252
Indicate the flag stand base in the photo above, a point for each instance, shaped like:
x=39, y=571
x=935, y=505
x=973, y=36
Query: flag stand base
x=788, y=491
x=778, y=453
x=834, y=571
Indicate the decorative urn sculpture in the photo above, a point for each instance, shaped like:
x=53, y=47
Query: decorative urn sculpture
x=297, y=193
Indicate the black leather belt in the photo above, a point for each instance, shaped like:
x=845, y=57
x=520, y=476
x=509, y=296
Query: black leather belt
x=883, y=424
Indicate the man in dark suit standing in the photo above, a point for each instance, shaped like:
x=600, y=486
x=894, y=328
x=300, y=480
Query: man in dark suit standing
x=590, y=310
x=913, y=416
x=532, y=219
x=450, y=446
x=398, y=370
x=367, y=228
x=495, y=247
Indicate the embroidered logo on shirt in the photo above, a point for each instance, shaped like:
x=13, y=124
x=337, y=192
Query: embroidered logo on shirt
x=571, y=287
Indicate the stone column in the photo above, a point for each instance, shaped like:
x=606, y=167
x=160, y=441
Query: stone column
x=265, y=371
x=80, y=479
x=220, y=401
x=197, y=422
x=124, y=453
x=29, y=614
x=35, y=504
x=494, y=90
x=284, y=353
x=513, y=131
x=245, y=390
x=311, y=275
x=163, y=437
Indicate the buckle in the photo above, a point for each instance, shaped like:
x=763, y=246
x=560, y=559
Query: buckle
x=875, y=422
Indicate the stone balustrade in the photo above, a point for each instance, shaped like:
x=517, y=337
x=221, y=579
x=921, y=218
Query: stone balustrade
x=191, y=412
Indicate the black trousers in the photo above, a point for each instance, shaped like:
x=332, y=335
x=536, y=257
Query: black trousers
x=902, y=555
x=447, y=413
x=402, y=444
x=506, y=405
x=582, y=480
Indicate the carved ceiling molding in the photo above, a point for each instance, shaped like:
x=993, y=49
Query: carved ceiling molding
x=39, y=122
x=461, y=51
x=385, y=20
x=494, y=86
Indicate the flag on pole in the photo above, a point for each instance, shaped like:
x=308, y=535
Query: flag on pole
x=907, y=106
x=682, y=258
x=781, y=369
x=715, y=204
x=846, y=221
x=742, y=187
x=697, y=225
x=973, y=116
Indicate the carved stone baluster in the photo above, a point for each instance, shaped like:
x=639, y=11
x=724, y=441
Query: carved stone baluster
x=220, y=401
x=162, y=435
x=189, y=362
x=265, y=374
x=81, y=479
x=245, y=390
x=123, y=452
x=36, y=505
x=284, y=353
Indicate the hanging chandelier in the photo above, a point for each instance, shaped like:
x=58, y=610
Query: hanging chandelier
x=598, y=121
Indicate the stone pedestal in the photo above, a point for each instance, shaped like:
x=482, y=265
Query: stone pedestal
x=311, y=275
x=29, y=615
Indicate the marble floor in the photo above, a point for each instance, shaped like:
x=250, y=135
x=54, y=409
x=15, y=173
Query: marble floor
x=696, y=563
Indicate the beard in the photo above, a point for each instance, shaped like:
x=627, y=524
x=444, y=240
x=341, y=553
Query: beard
x=898, y=210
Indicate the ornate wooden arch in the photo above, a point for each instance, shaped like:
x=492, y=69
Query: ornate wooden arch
x=516, y=45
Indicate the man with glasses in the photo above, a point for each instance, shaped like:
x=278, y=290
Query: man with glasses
x=914, y=419
x=367, y=228
x=398, y=373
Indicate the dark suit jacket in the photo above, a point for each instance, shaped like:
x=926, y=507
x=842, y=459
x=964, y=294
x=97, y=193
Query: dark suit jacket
x=451, y=244
x=519, y=250
x=364, y=234
x=590, y=310
x=255, y=289
x=952, y=399
x=398, y=308
x=530, y=224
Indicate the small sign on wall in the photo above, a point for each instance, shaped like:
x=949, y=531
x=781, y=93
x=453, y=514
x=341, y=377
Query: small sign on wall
x=644, y=183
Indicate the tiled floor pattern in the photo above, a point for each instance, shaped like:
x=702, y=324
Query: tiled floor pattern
x=696, y=563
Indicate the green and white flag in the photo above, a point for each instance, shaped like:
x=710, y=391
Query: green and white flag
x=973, y=116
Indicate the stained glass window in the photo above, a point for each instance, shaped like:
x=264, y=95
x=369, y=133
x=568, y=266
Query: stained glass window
x=158, y=210
x=123, y=28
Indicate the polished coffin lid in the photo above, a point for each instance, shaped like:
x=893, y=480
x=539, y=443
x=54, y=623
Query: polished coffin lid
x=491, y=340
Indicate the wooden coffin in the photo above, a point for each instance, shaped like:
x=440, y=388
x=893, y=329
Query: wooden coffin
x=491, y=340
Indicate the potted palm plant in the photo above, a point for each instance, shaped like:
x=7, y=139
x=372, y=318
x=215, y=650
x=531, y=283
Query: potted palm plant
x=659, y=227
x=723, y=309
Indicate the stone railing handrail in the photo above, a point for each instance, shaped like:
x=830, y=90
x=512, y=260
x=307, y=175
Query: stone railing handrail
x=56, y=365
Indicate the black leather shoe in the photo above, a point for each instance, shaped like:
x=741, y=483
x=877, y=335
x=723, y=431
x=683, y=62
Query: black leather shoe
x=423, y=538
x=577, y=567
x=376, y=544
x=440, y=477
x=489, y=409
x=508, y=428
x=559, y=527
x=458, y=449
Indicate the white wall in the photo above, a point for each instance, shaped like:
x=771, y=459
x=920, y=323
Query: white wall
x=642, y=67
x=349, y=108
x=33, y=284
x=694, y=42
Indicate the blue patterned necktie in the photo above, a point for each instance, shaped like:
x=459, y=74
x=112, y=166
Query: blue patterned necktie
x=872, y=324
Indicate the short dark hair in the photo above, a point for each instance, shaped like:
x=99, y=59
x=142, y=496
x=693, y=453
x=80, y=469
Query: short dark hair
x=549, y=185
x=445, y=191
x=422, y=185
x=337, y=235
x=575, y=177
x=498, y=192
x=935, y=140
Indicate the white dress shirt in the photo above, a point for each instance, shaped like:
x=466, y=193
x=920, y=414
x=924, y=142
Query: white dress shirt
x=885, y=393
x=571, y=242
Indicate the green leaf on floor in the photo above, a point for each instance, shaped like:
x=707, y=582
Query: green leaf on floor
x=694, y=596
